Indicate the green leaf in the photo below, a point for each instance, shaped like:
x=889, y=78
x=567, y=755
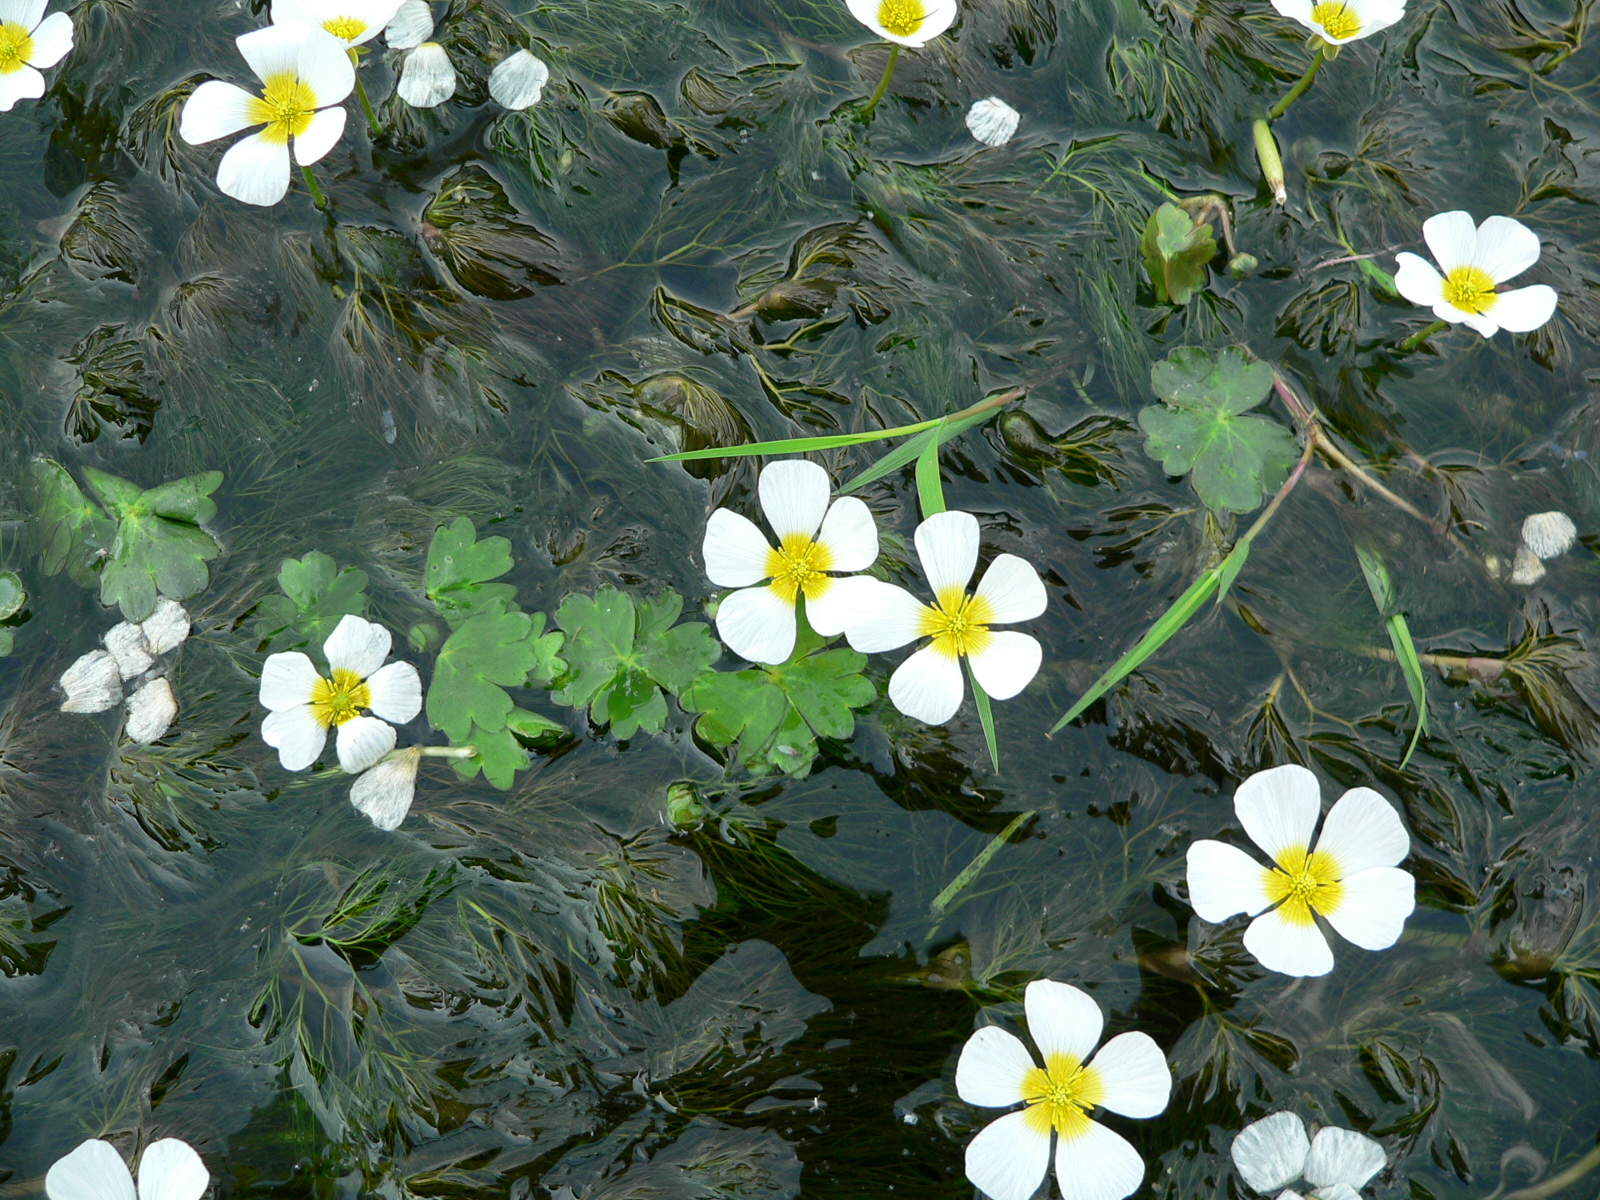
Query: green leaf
x=1176, y=252
x=12, y=594
x=1233, y=457
x=930, y=488
x=985, y=717
x=619, y=657
x=459, y=569
x=487, y=654
x=946, y=429
x=73, y=531
x=1405, y=650
x=500, y=756
x=159, y=549
x=317, y=595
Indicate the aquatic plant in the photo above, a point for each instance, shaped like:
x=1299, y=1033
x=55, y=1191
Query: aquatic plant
x=30, y=44
x=1474, y=262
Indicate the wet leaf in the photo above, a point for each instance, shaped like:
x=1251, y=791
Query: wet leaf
x=490, y=248
x=12, y=594
x=460, y=568
x=73, y=531
x=113, y=386
x=317, y=595
x=1176, y=251
x=159, y=549
x=488, y=653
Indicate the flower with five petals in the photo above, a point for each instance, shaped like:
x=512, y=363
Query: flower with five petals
x=304, y=705
x=169, y=1170
x=1475, y=261
x=1010, y=1157
x=29, y=43
x=908, y=22
x=1350, y=878
x=1336, y=22
x=1274, y=1152
x=353, y=22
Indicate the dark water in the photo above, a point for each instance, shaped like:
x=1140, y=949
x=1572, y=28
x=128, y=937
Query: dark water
x=551, y=989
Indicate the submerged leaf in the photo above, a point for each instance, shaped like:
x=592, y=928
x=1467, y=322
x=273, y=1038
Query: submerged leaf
x=317, y=595
x=1176, y=252
x=159, y=548
x=73, y=531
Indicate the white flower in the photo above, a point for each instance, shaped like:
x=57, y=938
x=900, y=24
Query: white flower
x=518, y=81
x=303, y=705
x=1350, y=878
x=909, y=22
x=29, y=42
x=992, y=121
x=1474, y=261
x=353, y=22
x=1549, y=534
x=383, y=793
x=426, y=77
x=169, y=1170
x=928, y=685
x=1011, y=1156
x=757, y=621
x=1339, y=21
x=411, y=25
x=305, y=73
x=1274, y=1152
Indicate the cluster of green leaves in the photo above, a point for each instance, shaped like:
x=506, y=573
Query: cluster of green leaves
x=493, y=645
x=317, y=595
x=1176, y=250
x=142, y=544
x=12, y=597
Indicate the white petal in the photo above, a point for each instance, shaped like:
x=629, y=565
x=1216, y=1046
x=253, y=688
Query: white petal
x=518, y=81
x=325, y=129
x=941, y=15
x=1363, y=830
x=842, y=603
x=1343, y=1156
x=255, y=170
x=1223, y=881
x=92, y=683
x=1295, y=10
x=947, y=544
x=52, y=41
x=736, y=552
x=1526, y=569
x=297, y=12
x=296, y=734
x=992, y=121
x=362, y=741
x=213, y=110
x=396, y=692
x=1505, y=249
x=151, y=711
x=94, y=1171
x=1377, y=15
x=356, y=645
x=1288, y=947
x=1417, y=281
x=850, y=535
x=324, y=66
x=1334, y=1191
x=1373, y=907
x=1135, y=1075
x=1013, y=589
x=1279, y=808
x=171, y=1170
x=1548, y=534
x=1006, y=664
x=1523, y=310
x=1097, y=1165
x=928, y=686
x=1008, y=1159
x=427, y=79
x=758, y=624
x=274, y=50
x=992, y=1066
x=890, y=617
x=26, y=13
x=167, y=628
x=287, y=681
x=126, y=643
x=22, y=84
x=794, y=497
x=384, y=793
x=1453, y=239
x=1062, y=1019
x=1271, y=1152
x=1477, y=322
x=411, y=25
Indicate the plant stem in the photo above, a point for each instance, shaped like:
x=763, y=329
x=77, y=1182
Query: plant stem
x=883, y=85
x=1298, y=90
x=1283, y=492
x=366, y=107
x=448, y=751
x=317, y=197
x=1422, y=335
x=1480, y=666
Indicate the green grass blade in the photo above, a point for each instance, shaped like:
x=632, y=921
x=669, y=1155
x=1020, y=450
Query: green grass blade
x=1405, y=650
x=970, y=872
x=830, y=441
x=892, y=461
x=930, y=488
x=985, y=717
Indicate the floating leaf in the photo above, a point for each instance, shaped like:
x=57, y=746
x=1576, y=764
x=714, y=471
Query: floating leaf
x=317, y=595
x=1234, y=458
x=487, y=654
x=1176, y=252
x=459, y=570
x=12, y=594
x=159, y=549
x=73, y=531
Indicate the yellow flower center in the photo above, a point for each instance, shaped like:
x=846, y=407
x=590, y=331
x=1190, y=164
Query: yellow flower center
x=901, y=17
x=1336, y=19
x=341, y=699
x=1470, y=289
x=959, y=625
x=799, y=565
x=286, y=107
x=348, y=28
x=1305, y=884
x=16, y=48
x=1060, y=1095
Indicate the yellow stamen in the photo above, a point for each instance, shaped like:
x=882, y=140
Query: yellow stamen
x=901, y=17
x=1470, y=289
x=348, y=28
x=959, y=625
x=1336, y=20
x=1059, y=1096
x=16, y=47
x=286, y=107
x=799, y=565
x=341, y=699
x=1305, y=883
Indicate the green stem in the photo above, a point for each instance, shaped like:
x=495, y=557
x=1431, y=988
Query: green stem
x=971, y=871
x=1294, y=93
x=883, y=85
x=1422, y=335
x=366, y=105
x=449, y=751
x=317, y=197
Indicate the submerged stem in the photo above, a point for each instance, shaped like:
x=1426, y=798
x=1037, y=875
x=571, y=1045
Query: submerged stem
x=1299, y=89
x=883, y=85
x=317, y=197
x=1422, y=335
x=366, y=106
